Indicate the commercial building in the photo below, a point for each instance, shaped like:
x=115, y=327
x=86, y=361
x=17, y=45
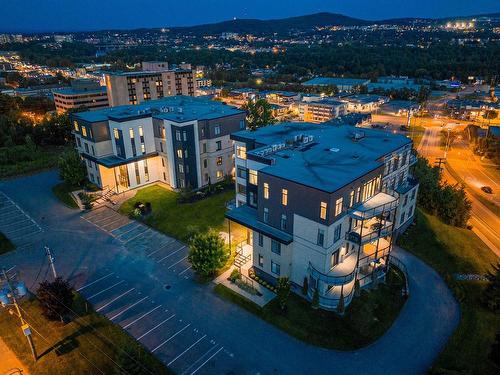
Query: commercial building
x=399, y=108
x=321, y=203
x=364, y=103
x=83, y=93
x=181, y=141
x=153, y=82
x=321, y=110
x=343, y=84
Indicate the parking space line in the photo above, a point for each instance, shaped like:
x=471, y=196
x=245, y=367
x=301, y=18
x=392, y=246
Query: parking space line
x=10, y=222
x=95, y=281
x=114, y=221
x=159, y=249
x=209, y=358
x=156, y=326
x=10, y=269
x=24, y=235
x=170, y=338
x=169, y=255
x=185, y=351
x=142, y=316
x=105, y=290
x=114, y=299
x=128, y=308
x=176, y=262
x=18, y=229
x=140, y=234
x=187, y=269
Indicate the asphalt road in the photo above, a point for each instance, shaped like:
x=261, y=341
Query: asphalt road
x=485, y=223
x=139, y=279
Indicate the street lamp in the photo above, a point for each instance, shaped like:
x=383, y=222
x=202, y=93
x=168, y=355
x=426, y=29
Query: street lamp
x=9, y=292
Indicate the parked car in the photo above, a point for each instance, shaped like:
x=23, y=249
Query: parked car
x=487, y=189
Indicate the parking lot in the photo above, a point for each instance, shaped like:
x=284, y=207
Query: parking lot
x=142, y=240
x=180, y=344
x=18, y=226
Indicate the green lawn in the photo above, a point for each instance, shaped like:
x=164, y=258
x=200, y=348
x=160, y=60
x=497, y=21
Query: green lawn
x=62, y=192
x=366, y=318
x=5, y=244
x=88, y=342
x=454, y=250
x=180, y=220
x=19, y=160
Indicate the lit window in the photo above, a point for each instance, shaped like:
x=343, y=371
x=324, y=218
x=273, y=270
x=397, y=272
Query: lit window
x=143, y=148
x=116, y=134
x=84, y=131
x=338, y=206
x=220, y=174
x=219, y=160
x=322, y=212
x=241, y=152
x=75, y=124
x=351, y=198
x=266, y=190
x=252, y=176
x=131, y=133
x=179, y=153
x=284, y=197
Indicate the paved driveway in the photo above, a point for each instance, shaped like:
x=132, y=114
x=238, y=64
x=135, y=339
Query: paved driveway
x=139, y=285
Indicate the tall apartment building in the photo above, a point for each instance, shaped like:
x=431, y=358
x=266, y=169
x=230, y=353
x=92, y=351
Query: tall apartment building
x=153, y=82
x=181, y=141
x=322, y=203
x=321, y=110
x=83, y=93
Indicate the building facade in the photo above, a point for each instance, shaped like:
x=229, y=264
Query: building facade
x=322, y=203
x=83, y=93
x=181, y=141
x=137, y=87
x=321, y=110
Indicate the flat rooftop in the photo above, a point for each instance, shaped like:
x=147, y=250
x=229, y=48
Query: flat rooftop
x=74, y=91
x=333, y=157
x=338, y=81
x=176, y=108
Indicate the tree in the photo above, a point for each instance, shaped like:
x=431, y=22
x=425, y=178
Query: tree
x=259, y=114
x=56, y=298
x=454, y=207
x=305, y=286
x=207, y=253
x=495, y=350
x=72, y=169
x=284, y=286
x=341, y=304
x=490, y=115
x=491, y=294
x=315, y=299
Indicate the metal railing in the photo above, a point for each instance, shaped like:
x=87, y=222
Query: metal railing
x=329, y=279
x=377, y=210
x=380, y=253
x=359, y=239
x=396, y=262
x=332, y=302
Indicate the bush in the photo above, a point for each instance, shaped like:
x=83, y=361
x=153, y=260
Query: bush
x=283, y=291
x=235, y=275
x=207, y=253
x=315, y=299
x=86, y=200
x=305, y=286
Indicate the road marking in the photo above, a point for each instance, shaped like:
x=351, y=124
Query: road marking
x=176, y=262
x=209, y=358
x=114, y=221
x=93, y=282
x=169, y=255
x=114, y=299
x=10, y=269
x=128, y=308
x=140, y=234
x=170, y=338
x=156, y=326
x=187, y=269
x=185, y=351
x=160, y=248
x=142, y=316
x=18, y=229
x=105, y=290
x=14, y=222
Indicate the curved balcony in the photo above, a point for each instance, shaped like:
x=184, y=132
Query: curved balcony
x=386, y=200
x=369, y=230
x=330, y=300
x=341, y=274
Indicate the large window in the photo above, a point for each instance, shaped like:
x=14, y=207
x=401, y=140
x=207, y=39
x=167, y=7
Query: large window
x=219, y=160
x=252, y=176
x=217, y=129
x=321, y=237
x=284, y=197
x=275, y=268
x=241, y=152
x=276, y=247
x=283, y=222
x=338, y=206
x=334, y=260
x=266, y=190
x=336, y=233
x=266, y=214
x=260, y=238
x=241, y=172
x=351, y=198
x=219, y=145
x=322, y=210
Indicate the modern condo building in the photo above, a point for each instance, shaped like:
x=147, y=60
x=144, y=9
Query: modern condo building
x=181, y=141
x=322, y=202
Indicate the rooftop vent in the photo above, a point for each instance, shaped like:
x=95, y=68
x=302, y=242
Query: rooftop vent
x=357, y=135
x=334, y=149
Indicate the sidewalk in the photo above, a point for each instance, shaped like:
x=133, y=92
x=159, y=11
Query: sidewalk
x=9, y=361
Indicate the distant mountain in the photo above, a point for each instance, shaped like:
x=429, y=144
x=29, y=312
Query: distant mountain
x=307, y=22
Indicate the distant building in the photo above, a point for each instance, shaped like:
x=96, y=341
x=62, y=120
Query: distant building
x=397, y=83
x=343, y=84
x=83, y=93
x=321, y=110
x=180, y=141
x=364, y=103
x=471, y=109
x=282, y=97
x=140, y=86
x=203, y=82
x=399, y=108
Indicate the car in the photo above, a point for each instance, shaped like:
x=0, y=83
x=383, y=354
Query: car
x=487, y=189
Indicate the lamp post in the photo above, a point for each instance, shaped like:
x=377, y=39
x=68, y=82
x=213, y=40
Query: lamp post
x=8, y=297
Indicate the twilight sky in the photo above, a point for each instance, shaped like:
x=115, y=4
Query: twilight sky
x=73, y=15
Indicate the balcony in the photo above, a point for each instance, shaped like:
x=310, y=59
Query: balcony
x=412, y=158
x=373, y=251
x=381, y=202
x=340, y=274
x=330, y=300
x=406, y=186
x=370, y=230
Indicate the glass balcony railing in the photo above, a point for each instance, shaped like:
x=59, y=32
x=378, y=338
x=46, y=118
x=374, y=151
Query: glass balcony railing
x=341, y=274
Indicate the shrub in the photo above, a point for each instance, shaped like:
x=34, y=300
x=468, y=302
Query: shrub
x=207, y=253
x=283, y=291
x=315, y=299
x=56, y=298
x=235, y=275
x=305, y=286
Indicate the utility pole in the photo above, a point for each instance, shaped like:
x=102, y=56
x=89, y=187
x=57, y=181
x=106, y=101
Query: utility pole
x=51, y=261
x=447, y=143
x=24, y=325
x=440, y=161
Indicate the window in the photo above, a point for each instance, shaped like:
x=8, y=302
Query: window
x=275, y=268
x=184, y=136
x=338, y=206
x=283, y=222
x=260, y=239
x=266, y=190
x=413, y=194
x=276, y=247
x=78, y=142
x=321, y=237
x=252, y=176
x=84, y=131
x=241, y=152
x=242, y=124
x=86, y=147
x=284, y=197
x=336, y=233
x=406, y=200
x=205, y=163
x=217, y=129
x=131, y=133
x=161, y=146
x=334, y=260
x=402, y=218
x=219, y=174
x=241, y=189
x=93, y=149
x=358, y=194
x=143, y=148
x=146, y=170
x=322, y=211
x=164, y=177
x=181, y=168
x=219, y=160
x=137, y=175
x=177, y=135
x=351, y=198
x=204, y=147
x=266, y=215
x=219, y=145
x=75, y=125
x=186, y=153
x=116, y=134
x=162, y=162
x=179, y=153
x=252, y=199
x=241, y=172
x=261, y=261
